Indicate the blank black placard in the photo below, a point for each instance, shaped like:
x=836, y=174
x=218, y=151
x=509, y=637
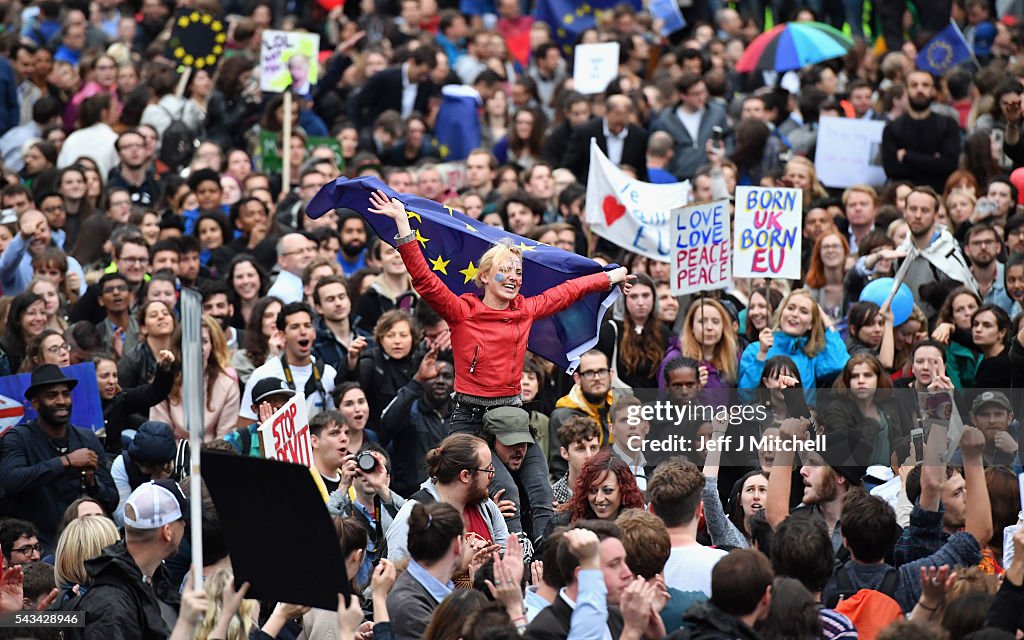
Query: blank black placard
x=277, y=529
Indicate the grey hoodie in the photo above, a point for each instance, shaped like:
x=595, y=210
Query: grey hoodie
x=398, y=533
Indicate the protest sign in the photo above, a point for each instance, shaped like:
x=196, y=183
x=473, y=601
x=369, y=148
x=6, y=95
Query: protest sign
x=86, y=407
x=197, y=39
x=594, y=66
x=668, y=12
x=767, y=241
x=285, y=436
x=701, y=259
x=279, y=534
x=849, y=152
x=289, y=59
x=635, y=215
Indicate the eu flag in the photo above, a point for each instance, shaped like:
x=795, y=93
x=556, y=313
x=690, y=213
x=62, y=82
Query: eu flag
x=452, y=243
x=457, y=128
x=569, y=19
x=947, y=49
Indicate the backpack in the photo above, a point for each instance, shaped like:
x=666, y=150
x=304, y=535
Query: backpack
x=178, y=143
x=870, y=610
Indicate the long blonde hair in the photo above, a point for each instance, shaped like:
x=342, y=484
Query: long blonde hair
x=816, y=335
x=83, y=539
x=724, y=357
x=241, y=623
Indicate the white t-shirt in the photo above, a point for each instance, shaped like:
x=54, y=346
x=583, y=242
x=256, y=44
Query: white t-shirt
x=692, y=123
x=272, y=369
x=689, y=568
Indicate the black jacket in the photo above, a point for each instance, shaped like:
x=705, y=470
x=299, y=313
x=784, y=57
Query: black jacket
x=410, y=428
x=36, y=487
x=553, y=623
x=577, y=153
x=136, y=400
x=137, y=367
x=118, y=604
x=705, y=621
x=381, y=376
x=383, y=91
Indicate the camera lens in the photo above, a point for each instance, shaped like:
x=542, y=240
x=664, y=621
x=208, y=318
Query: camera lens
x=366, y=462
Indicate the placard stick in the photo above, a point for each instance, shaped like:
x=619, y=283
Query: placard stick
x=179, y=91
x=286, y=143
x=192, y=392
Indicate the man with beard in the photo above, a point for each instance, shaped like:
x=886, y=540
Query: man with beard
x=46, y=464
x=134, y=172
x=982, y=246
x=16, y=260
x=217, y=304
x=508, y=432
x=129, y=589
x=296, y=365
x=414, y=422
x=921, y=146
x=939, y=266
x=352, y=256
x=459, y=472
x=591, y=396
x=827, y=476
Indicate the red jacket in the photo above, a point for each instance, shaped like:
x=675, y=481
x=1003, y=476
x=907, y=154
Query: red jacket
x=489, y=345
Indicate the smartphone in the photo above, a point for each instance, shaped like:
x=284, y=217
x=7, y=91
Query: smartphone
x=917, y=440
x=716, y=135
x=986, y=207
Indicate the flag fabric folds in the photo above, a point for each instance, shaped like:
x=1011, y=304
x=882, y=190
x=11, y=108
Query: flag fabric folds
x=568, y=19
x=947, y=49
x=452, y=243
x=457, y=129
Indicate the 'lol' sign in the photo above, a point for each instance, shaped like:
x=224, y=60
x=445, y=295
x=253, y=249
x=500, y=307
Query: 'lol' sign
x=768, y=233
x=701, y=250
x=285, y=436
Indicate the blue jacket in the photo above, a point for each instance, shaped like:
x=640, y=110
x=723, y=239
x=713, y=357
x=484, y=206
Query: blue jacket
x=813, y=371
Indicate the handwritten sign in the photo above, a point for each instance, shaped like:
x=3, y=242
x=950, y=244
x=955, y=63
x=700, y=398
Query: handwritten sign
x=849, y=152
x=594, y=66
x=634, y=215
x=289, y=59
x=767, y=239
x=701, y=246
x=285, y=436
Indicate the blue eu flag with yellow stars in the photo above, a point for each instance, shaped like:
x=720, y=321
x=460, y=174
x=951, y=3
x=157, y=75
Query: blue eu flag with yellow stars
x=947, y=49
x=569, y=19
x=452, y=243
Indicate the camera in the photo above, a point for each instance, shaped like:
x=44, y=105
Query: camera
x=366, y=462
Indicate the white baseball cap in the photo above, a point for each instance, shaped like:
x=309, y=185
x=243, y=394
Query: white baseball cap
x=155, y=504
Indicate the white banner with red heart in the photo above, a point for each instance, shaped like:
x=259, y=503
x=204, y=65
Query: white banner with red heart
x=634, y=215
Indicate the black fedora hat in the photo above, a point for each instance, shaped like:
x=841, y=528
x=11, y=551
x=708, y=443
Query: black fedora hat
x=45, y=375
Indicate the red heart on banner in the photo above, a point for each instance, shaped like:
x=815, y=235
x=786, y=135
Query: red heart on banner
x=613, y=210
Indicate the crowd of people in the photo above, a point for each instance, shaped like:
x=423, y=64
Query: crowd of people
x=476, y=489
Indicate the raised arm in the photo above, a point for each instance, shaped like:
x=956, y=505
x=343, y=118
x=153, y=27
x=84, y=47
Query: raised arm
x=425, y=281
x=978, y=522
x=780, y=481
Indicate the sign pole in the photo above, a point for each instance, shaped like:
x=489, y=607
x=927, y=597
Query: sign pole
x=192, y=393
x=179, y=91
x=286, y=143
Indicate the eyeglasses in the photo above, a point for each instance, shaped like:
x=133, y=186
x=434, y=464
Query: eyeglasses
x=54, y=208
x=489, y=471
x=116, y=288
x=594, y=373
x=59, y=348
x=27, y=549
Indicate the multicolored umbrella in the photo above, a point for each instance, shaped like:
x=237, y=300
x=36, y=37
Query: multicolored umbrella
x=793, y=45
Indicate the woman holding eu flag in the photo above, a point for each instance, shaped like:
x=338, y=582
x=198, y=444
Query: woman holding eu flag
x=489, y=336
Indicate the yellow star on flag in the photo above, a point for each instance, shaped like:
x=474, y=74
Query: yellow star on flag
x=527, y=247
x=221, y=38
x=470, y=272
x=207, y=18
x=194, y=17
x=568, y=18
x=420, y=239
x=217, y=26
x=450, y=211
x=439, y=265
x=471, y=228
x=413, y=214
x=183, y=22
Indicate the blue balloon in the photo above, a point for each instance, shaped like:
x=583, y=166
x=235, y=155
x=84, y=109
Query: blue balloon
x=902, y=303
